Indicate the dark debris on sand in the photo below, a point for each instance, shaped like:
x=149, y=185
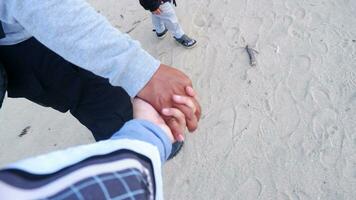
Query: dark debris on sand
x=24, y=131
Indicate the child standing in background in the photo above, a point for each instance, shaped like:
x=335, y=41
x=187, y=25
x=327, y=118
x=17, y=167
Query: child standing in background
x=164, y=19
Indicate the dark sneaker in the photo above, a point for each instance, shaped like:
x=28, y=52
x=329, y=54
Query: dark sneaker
x=186, y=41
x=3, y=83
x=176, y=147
x=161, y=35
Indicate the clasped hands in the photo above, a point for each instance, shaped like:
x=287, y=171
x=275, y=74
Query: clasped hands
x=169, y=101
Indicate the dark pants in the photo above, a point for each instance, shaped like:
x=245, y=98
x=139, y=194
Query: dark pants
x=40, y=75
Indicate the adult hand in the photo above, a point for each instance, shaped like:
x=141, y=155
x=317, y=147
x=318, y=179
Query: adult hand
x=160, y=91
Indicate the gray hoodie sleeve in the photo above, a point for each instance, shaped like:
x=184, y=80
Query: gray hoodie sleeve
x=75, y=31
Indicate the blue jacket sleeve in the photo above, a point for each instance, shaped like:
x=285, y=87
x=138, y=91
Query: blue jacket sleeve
x=82, y=36
x=147, y=132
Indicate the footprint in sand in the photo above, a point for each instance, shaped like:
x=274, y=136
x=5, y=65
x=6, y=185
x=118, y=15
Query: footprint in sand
x=203, y=20
x=319, y=46
x=268, y=131
x=165, y=57
x=294, y=195
x=299, y=32
x=320, y=96
x=270, y=68
x=349, y=169
x=329, y=135
x=251, y=33
x=199, y=20
x=299, y=13
x=348, y=87
x=251, y=189
x=284, y=196
x=299, y=77
x=285, y=112
x=315, y=20
x=280, y=28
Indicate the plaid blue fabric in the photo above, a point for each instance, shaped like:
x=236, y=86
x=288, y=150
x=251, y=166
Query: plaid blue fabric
x=119, y=175
x=126, y=184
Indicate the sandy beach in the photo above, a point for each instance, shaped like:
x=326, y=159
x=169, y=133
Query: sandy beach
x=283, y=129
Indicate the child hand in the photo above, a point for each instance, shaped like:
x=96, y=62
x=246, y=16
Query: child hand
x=177, y=120
x=144, y=110
x=185, y=104
x=157, y=12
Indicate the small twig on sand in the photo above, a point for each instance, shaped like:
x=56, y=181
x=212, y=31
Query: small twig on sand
x=130, y=30
x=252, y=55
x=24, y=131
x=135, y=24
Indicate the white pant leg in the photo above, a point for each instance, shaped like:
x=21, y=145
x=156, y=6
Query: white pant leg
x=158, y=24
x=169, y=19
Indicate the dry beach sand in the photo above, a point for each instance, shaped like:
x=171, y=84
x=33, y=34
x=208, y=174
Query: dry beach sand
x=285, y=129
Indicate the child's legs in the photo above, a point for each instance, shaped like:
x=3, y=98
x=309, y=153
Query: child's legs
x=169, y=18
x=158, y=24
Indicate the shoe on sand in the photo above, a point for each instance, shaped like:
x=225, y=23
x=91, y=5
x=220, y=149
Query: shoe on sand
x=3, y=83
x=161, y=35
x=176, y=147
x=186, y=41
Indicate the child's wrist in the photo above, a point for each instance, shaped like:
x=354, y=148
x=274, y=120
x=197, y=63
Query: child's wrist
x=167, y=131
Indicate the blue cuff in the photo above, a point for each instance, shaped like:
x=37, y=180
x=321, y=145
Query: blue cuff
x=148, y=132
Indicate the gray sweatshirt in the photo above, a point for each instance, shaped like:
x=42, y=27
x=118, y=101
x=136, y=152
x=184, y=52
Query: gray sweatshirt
x=75, y=31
